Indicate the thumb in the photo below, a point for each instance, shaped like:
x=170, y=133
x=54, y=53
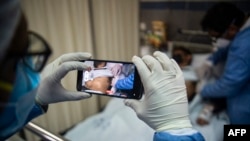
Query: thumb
x=69, y=66
x=74, y=95
x=134, y=104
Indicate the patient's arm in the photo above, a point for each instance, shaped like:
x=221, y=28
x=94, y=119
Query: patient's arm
x=191, y=89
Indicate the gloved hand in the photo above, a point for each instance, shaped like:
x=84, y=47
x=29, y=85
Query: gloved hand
x=116, y=69
x=164, y=105
x=206, y=75
x=205, y=70
x=50, y=89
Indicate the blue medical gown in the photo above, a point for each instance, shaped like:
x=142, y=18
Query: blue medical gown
x=165, y=136
x=234, y=84
x=125, y=83
x=19, y=118
x=21, y=106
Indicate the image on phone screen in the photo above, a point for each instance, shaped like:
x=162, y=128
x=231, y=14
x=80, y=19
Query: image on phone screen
x=110, y=78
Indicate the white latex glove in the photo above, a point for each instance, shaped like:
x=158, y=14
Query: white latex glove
x=164, y=105
x=50, y=89
x=205, y=70
x=116, y=69
x=205, y=73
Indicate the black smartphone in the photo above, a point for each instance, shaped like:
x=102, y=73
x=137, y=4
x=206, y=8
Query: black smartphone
x=110, y=78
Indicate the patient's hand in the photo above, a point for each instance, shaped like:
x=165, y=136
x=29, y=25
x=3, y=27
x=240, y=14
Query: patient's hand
x=205, y=115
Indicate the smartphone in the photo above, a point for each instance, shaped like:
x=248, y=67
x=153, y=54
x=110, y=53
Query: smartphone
x=110, y=78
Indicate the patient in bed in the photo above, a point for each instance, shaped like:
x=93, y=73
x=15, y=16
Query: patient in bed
x=212, y=131
x=98, y=79
x=183, y=57
x=99, y=84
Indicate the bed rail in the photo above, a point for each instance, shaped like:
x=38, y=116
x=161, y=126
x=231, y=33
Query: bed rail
x=42, y=133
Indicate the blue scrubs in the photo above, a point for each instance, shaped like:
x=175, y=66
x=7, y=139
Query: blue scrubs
x=125, y=83
x=165, y=136
x=234, y=84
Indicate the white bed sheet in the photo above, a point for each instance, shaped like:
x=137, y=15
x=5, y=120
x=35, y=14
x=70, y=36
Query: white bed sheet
x=214, y=131
x=119, y=123
x=116, y=123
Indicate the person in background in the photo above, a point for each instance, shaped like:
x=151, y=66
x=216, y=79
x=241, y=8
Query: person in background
x=225, y=20
x=123, y=78
x=127, y=81
x=116, y=69
x=212, y=106
x=183, y=57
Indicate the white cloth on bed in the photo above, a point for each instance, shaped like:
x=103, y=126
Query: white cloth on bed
x=119, y=123
x=116, y=123
x=214, y=131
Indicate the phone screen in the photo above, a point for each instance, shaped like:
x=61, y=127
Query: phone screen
x=110, y=78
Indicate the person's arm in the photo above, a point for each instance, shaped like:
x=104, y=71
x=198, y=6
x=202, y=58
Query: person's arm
x=36, y=111
x=164, y=106
x=235, y=75
x=205, y=70
x=219, y=55
x=125, y=83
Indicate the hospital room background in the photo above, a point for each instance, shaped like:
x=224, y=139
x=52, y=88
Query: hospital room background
x=113, y=30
